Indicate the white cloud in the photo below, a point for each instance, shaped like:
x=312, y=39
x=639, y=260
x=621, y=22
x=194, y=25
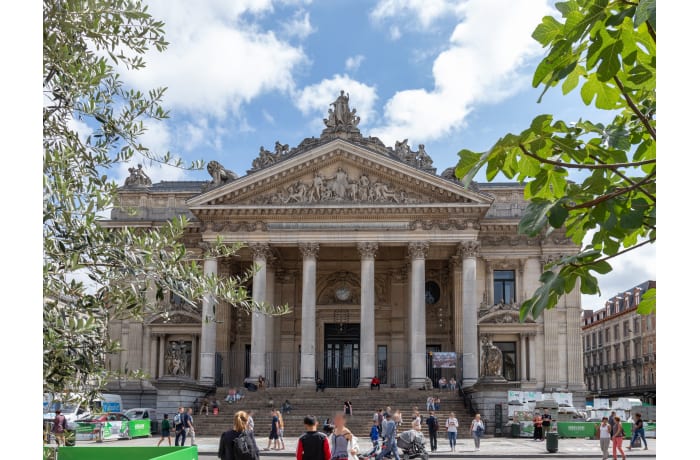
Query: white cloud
x=298, y=26
x=487, y=49
x=316, y=98
x=216, y=61
x=354, y=62
x=425, y=13
x=80, y=127
x=268, y=117
x=394, y=33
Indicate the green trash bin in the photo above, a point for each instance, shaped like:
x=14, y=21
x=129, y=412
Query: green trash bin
x=552, y=442
x=515, y=430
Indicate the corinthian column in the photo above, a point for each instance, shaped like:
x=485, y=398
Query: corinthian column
x=468, y=251
x=258, y=334
x=367, y=347
x=309, y=252
x=207, y=363
x=417, y=252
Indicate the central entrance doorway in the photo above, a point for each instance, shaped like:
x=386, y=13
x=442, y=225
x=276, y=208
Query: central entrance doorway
x=342, y=355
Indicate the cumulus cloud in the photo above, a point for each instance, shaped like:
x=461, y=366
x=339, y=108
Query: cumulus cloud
x=217, y=61
x=394, y=33
x=419, y=11
x=298, y=26
x=487, y=50
x=317, y=97
x=354, y=62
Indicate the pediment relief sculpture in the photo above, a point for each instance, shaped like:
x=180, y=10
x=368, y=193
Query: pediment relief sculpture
x=338, y=188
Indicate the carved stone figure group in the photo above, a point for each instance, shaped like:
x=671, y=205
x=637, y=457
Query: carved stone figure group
x=340, y=116
x=137, y=177
x=419, y=159
x=266, y=158
x=177, y=359
x=338, y=188
x=219, y=174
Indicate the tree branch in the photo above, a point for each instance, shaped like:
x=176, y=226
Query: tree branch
x=615, y=255
x=651, y=30
x=634, y=108
x=610, y=195
x=612, y=166
x=628, y=180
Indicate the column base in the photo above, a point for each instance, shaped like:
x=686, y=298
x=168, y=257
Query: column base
x=468, y=383
x=307, y=382
x=206, y=381
x=364, y=383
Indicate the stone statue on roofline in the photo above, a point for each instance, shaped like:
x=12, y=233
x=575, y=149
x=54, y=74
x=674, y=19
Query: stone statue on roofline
x=137, y=178
x=342, y=121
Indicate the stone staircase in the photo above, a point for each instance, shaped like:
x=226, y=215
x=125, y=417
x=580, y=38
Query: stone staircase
x=325, y=404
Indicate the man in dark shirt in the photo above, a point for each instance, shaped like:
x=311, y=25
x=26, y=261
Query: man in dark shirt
x=546, y=422
x=313, y=445
x=432, y=423
x=638, y=431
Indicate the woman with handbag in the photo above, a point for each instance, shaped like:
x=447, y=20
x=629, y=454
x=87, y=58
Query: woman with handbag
x=477, y=431
x=618, y=437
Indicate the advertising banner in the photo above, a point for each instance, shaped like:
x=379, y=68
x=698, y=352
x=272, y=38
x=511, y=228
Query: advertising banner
x=445, y=359
x=136, y=428
x=132, y=453
x=514, y=395
x=563, y=398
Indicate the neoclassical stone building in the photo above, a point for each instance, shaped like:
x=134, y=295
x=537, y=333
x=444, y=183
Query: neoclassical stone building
x=383, y=263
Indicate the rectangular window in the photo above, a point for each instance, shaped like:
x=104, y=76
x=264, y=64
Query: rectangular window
x=649, y=325
x=600, y=338
x=508, y=351
x=636, y=325
x=616, y=332
x=504, y=286
x=617, y=354
x=637, y=349
x=607, y=335
x=651, y=348
x=626, y=328
x=382, y=363
x=627, y=351
x=607, y=356
x=594, y=344
x=588, y=342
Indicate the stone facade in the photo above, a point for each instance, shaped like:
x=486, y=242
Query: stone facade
x=620, y=347
x=382, y=262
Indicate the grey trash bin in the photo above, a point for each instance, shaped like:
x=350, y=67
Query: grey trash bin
x=552, y=442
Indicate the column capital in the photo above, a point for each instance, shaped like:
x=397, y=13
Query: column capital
x=260, y=251
x=418, y=250
x=368, y=250
x=309, y=249
x=469, y=248
x=455, y=263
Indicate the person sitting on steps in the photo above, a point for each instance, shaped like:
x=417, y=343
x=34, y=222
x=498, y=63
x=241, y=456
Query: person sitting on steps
x=374, y=383
x=320, y=385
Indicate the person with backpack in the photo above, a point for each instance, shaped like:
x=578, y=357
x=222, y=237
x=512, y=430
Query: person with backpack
x=638, y=431
x=179, y=421
x=618, y=436
x=313, y=445
x=477, y=430
x=60, y=425
x=238, y=443
x=433, y=425
x=165, y=431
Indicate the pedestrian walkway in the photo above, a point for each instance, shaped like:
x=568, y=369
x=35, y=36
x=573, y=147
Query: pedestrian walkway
x=490, y=447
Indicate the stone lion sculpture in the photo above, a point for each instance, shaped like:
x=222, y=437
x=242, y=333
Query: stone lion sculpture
x=219, y=174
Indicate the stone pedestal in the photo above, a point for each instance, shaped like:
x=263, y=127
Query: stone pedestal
x=175, y=392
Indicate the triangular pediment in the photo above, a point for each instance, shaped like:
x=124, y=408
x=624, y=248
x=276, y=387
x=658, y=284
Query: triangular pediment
x=339, y=174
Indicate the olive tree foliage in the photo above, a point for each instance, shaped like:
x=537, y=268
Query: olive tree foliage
x=605, y=49
x=84, y=42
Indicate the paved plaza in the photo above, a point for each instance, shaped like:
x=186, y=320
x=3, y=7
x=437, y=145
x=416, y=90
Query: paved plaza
x=490, y=447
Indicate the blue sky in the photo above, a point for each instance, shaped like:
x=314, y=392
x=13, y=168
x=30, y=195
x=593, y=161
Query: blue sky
x=451, y=74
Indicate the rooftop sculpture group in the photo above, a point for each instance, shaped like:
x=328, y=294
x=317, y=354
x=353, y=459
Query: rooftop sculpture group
x=137, y=178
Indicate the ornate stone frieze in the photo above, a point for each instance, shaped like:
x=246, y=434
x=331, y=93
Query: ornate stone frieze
x=368, y=250
x=500, y=313
x=509, y=240
x=309, y=249
x=468, y=249
x=418, y=250
x=339, y=188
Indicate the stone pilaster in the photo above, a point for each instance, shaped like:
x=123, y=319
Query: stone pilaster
x=258, y=335
x=309, y=252
x=367, y=341
x=417, y=253
x=457, y=320
x=468, y=251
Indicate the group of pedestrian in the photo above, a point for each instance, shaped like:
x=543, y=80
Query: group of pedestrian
x=432, y=403
x=611, y=429
x=183, y=425
x=443, y=384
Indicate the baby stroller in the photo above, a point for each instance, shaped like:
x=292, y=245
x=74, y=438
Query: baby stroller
x=411, y=442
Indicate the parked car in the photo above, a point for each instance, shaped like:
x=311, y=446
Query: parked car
x=145, y=413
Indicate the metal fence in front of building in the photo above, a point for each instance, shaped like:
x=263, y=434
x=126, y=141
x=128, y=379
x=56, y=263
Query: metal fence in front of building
x=337, y=367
